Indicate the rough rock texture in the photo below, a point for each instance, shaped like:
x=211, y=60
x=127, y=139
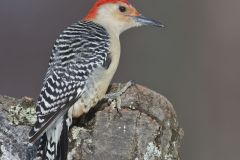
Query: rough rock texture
x=145, y=129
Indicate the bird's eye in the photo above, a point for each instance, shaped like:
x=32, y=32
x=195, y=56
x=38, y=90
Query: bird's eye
x=122, y=9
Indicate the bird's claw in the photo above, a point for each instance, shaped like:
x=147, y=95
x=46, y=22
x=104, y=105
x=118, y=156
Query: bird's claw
x=116, y=96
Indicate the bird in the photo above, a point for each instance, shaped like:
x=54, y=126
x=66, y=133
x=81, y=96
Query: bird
x=83, y=62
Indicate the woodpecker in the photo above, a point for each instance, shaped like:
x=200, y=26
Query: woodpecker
x=82, y=64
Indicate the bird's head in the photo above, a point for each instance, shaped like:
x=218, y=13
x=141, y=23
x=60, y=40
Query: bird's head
x=118, y=16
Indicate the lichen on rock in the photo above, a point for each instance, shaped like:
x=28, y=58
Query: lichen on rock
x=152, y=152
x=146, y=129
x=23, y=113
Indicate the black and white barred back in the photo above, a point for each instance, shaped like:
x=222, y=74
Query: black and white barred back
x=81, y=48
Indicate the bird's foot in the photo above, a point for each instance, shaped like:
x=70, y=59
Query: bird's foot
x=116, y=96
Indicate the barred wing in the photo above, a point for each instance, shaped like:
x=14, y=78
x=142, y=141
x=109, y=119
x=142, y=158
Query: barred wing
x=80, y=50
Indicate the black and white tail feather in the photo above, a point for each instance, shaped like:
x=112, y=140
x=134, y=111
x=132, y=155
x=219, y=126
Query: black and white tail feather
x=53, y=144
x=80, y=49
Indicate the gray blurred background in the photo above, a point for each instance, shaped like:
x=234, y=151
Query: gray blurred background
x=194, y=61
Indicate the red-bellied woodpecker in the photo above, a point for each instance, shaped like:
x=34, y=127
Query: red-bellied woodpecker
x=83, y=62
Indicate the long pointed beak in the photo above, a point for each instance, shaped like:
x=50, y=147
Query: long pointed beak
x=147, y=21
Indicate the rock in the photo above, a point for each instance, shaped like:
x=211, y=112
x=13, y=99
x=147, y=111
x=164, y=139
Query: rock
x=146, y=128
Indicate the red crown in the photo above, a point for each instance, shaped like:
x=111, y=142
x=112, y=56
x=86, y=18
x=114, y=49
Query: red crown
x=92, y=13
x=101, y=2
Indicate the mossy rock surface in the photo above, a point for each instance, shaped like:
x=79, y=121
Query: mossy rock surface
x=145, y=129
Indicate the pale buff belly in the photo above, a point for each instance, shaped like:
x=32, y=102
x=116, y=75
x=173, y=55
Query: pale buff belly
x=95, y=91
x=98, y=83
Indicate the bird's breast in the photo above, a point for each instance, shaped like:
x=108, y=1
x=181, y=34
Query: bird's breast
x=98, y=83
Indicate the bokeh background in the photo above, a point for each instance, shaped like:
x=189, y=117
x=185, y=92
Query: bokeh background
x=194, y=61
